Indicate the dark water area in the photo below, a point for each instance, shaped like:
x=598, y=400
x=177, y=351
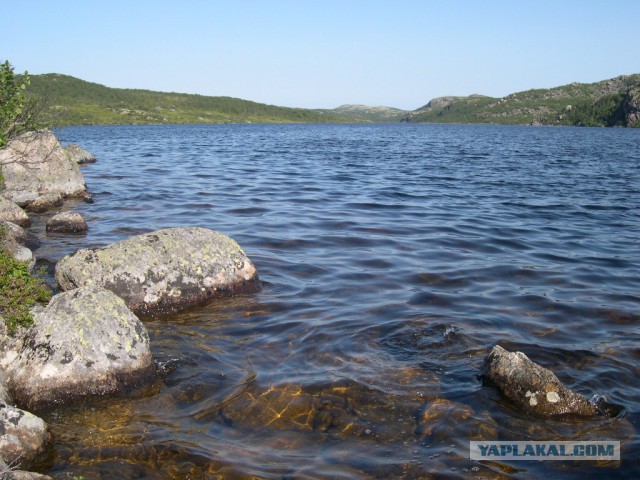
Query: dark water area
x=393, y=258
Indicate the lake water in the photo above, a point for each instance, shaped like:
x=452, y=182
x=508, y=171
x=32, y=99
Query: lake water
x=393, y=258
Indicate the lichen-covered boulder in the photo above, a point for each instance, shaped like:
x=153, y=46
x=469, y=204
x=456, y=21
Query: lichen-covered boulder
x=85, y=342
x=163, y=271
x=67, y=222
x=35, y=163
x=531, y=387
x=25, y=439
x=78, y=154
x=11, y=212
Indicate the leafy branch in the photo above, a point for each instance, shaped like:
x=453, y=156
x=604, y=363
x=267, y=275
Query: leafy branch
x=19, y=112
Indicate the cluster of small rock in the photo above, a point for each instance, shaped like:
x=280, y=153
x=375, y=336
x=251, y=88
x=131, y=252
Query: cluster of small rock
x=89, y=340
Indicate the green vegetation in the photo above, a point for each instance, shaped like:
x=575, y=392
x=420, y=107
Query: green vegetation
x=19, y=290
x=607, y=103
x=19, y=111
x=71, y=101
x=364, y=113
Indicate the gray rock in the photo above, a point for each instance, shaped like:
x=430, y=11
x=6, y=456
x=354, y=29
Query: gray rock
x=21, y=475
x=531, y=387
x=11, y=212
x=163, y=271
x=10, y=345
x=67, y=222
x=10, y=242
x=45, y=202
x=19, y=235
x=85, y=342
x=78, y=154
x=34, y=163
x=4, y=395
x=25, y=440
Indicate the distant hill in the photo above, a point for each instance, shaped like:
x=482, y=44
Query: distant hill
x=71, y=101
x=614, y=102
x=364, y=113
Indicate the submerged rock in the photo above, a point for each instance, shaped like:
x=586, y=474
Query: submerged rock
x=167, y=270
x=531, y=387
x=67, y=222
x=11, y=212
x=78, y=154
x=85, y=342
x=22, y=475
x=34, y=164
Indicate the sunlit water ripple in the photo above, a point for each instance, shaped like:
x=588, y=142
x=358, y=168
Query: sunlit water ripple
x=393, y=257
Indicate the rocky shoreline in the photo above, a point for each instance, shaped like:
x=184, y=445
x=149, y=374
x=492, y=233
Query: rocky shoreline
x=89, y=340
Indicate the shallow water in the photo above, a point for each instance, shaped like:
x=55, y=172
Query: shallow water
x=393, y=257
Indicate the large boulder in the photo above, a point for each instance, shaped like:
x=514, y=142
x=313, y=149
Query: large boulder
x=35, y=163
x=78, y=154
x=163, y=271
x=531, y=387
x=85, y=342
x=11, y=212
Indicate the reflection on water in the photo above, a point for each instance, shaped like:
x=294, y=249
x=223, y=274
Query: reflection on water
x=394, y=257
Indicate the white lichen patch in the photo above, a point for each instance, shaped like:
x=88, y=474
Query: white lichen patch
x=533, y=401
x=553, y=397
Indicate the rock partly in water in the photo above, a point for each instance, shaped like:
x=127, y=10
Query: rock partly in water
x=531, y=387
x=35, y=163
x=45, y=202
x=67, y=222
x=164, y=271
x=25, y=440
x=85, y=342
x=78, y=154
x=19, y=235
x=11, y=212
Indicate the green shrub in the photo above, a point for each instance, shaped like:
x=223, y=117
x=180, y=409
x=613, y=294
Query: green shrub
x=19, y=291
x=19, y=112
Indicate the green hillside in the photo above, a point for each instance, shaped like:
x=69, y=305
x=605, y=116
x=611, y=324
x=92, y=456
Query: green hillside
x=614, y=102
x=364, y=113
x=71, y=101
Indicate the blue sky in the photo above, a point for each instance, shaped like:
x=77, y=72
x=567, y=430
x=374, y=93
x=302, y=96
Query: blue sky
x=322, y=54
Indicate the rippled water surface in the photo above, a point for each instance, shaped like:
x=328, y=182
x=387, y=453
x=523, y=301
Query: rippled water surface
x=393, y=258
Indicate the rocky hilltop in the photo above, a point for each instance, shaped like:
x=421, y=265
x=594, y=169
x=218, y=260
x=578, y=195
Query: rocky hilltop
x=613, y=102
x=370, y=114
